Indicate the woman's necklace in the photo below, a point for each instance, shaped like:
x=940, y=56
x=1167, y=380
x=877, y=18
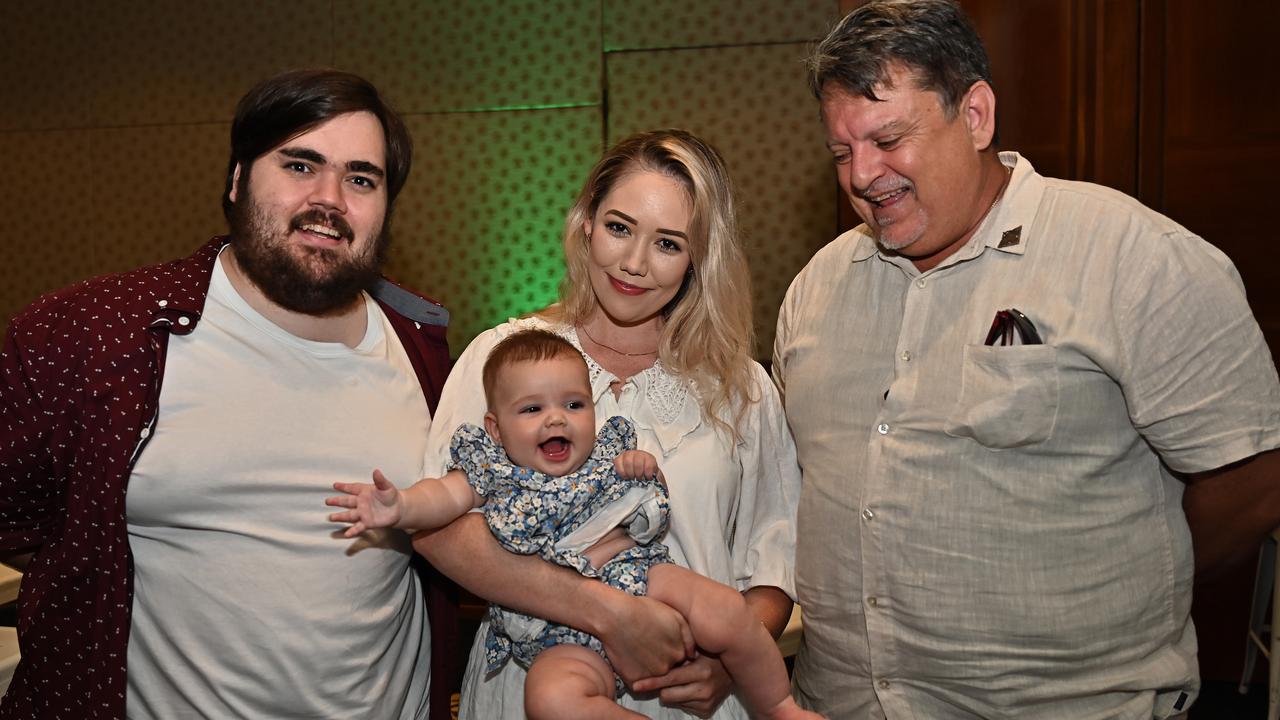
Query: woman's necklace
x=614, y=349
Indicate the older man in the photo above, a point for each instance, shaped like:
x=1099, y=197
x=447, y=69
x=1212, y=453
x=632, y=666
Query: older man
x=999, y=385
x=227, y=391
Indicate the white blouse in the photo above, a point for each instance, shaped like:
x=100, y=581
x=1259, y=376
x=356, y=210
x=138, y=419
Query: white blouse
x=732, y=509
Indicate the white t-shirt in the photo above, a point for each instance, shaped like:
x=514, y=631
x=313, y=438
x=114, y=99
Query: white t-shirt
x=732, y=509
x=247, y=600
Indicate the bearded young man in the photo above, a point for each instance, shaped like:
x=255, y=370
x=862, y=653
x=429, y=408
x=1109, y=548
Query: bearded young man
x=226, y=392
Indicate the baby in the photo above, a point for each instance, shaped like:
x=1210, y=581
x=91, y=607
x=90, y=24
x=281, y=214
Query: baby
x=550, y=486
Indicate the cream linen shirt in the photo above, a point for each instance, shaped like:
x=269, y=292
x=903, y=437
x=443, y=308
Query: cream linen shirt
x=995, y=532
x=732, y=507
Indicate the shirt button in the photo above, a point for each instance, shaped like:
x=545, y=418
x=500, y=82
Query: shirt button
x=184, y=321
x=146, y=433
x=164, y=303
x=906, y=356
x=873, y=601
x=883, y=428
x=883, y=684
x=867, y=514
x=921, y=282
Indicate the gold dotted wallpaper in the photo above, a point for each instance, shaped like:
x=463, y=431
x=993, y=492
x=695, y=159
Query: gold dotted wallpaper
x=474, y=54
x=189, y=61
x=630, y=25
x=115, y=117
x=158, y=196
x=49, y=213
x=47, y=83
x=753, y=104
x=478, y=225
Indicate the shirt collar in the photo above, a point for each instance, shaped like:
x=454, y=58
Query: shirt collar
x=180, y=308
x=1005, y=229
x=865, y=246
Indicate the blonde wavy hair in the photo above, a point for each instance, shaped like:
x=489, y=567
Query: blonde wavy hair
x=708, y=336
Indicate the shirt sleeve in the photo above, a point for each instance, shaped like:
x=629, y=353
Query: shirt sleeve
x=476, y=455
x=781, y=335
x=1196, y=371
x=764, y=536
x=30, y=489
x=615, y=437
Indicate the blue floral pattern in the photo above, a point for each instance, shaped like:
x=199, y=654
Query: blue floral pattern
x=529, y=512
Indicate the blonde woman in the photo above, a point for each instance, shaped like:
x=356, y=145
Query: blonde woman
x=656, y=296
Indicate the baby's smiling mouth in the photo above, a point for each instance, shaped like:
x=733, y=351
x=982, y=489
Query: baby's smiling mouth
x=556, y=448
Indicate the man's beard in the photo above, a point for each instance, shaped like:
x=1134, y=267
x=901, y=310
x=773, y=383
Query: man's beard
x=308, y=280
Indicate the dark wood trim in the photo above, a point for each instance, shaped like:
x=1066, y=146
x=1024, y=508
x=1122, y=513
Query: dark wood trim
x=1083, y=86
x=1114, y=137
x=1151, y=102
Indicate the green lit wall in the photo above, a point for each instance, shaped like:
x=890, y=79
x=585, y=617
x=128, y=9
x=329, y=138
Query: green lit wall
x=119, y=112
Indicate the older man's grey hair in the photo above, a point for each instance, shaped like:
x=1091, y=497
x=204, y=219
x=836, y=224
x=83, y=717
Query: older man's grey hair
x=933, y=39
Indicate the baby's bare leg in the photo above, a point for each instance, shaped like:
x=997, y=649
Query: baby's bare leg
x=723, y=625
x=573, y=683
x=615, y=541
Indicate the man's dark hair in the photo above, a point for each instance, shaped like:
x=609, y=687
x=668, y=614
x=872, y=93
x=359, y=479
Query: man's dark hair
x=292, y=103
x=932, y=38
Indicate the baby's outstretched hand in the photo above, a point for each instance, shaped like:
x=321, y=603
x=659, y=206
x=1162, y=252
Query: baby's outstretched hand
x=371, y=506
x=638, y=465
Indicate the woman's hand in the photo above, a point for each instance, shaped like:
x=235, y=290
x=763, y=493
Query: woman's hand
x=644, y=637
x=696, y=687
x=700, y=685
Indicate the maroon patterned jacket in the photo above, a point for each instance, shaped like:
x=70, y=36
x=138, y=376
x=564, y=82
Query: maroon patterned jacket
x=80, y=378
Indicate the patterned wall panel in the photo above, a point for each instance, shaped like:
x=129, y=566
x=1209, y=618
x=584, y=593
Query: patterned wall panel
x=478, y=225
x=149, y=86
x=189, y=61
x=165, y=194
x=479, y=54
x=48, y=214
x=104, y=201
x=753, y=104
x=630, y=25
x=45, y=61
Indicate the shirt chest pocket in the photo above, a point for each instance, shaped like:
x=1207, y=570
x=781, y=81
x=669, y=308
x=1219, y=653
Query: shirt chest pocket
x=1008, y=395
